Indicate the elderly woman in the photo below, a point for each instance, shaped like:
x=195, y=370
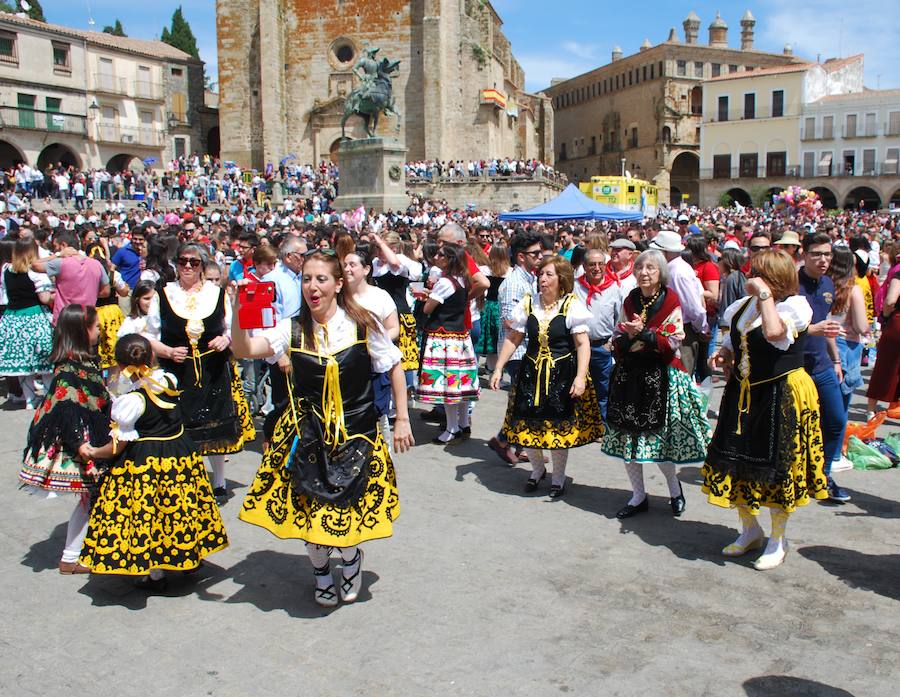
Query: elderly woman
x=195, y=346
x=655, y=413
x=767, y=448
x=553, y=404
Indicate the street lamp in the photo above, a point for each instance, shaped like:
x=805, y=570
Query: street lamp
x=173, y=122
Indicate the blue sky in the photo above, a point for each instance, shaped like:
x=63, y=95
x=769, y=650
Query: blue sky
x=578, y=35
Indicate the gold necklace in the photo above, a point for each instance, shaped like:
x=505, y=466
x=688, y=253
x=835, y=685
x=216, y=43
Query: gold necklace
x=646, y=307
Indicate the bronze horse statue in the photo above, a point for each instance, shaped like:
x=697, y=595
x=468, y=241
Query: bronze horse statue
x=371, y=98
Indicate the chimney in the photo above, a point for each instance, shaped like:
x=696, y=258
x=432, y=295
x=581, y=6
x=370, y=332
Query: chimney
x=788, y=50
x=646, y=45
x=691, y=26
x=748, y=22
x=673, y=37
x=718, y=32
x=616, y=53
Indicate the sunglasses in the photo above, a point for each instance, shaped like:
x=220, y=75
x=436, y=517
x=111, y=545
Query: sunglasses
x=326, y=252
x=758, y=247
x=535, y=254
x=189, y=261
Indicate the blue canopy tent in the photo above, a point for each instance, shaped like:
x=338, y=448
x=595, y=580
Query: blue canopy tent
x=571, y=204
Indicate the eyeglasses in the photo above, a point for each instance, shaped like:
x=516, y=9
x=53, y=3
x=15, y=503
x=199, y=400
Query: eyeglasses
x=759, y=247
x=819, y=255
x=189, y=261
x=485, y=236
x=245, y=247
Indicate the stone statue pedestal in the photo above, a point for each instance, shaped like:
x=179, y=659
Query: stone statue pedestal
x=372, y=174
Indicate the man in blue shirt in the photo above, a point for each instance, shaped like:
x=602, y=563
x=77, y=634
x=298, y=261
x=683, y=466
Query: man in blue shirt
x=128, y=262
x=821, y=357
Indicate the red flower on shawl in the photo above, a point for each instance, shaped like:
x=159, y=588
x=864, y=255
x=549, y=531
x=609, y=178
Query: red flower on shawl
x=60, y=392
x=82, y=397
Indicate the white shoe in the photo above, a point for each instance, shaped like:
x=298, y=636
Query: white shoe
x=326, y=597
x=351, y=586
x=736, y=549
x=771, y=560
x=841, y=465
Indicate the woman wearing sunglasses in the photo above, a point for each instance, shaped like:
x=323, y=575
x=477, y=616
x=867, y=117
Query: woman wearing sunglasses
x=327, y=477
x=195, y=346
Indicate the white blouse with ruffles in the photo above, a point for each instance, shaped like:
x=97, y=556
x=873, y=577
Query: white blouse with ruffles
x=131, y=405
x=336, y=335
x=794, y=311
x=578, y=317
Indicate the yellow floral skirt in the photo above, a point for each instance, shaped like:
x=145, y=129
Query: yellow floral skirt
x=155, y=511
x=110, y=319
x=805, y=477
x=274, y=504
x=245, y=421
x=409, y=348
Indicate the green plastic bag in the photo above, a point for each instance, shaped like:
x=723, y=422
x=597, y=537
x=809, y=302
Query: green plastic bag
x=893, y=440
x=865, y=457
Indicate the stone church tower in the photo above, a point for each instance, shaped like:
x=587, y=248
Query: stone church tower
x=285, y=69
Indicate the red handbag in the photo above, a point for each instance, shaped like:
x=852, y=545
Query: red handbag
x=256, y=305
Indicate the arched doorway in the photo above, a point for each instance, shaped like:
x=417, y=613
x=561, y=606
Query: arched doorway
x=333, y=151
x=895, y=199
x=685, y=176
x=120, y=162
x=57, y=153
x=675, y=197
x=863, y=197
x=740, y=196
x=10, y=155
x=213, y=142
x=826, y=196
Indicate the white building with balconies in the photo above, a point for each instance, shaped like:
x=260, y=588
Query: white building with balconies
x=94, y=100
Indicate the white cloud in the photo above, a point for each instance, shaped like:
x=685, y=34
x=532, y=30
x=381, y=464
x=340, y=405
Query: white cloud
x=837, y=29
x=541, y=68
x=581, y=50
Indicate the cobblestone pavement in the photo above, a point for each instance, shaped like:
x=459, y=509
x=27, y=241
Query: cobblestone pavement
x=483, y=590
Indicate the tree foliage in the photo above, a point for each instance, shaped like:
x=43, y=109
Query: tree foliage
x=36, y=11
x=115, y=30
x=7, y=7
x=180, y=35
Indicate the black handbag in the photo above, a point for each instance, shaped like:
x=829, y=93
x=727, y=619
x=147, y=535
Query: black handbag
x=328, y=474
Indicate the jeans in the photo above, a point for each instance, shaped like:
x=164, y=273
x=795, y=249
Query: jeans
x=475, y=332
x=832, y=414
x=600, y=369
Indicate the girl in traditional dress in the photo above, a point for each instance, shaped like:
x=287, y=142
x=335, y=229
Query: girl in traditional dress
x=140, y=319
x=553, y=404
x=327, y=477
x=449, y=371
x=498, y=268
x=767, y=448
x=194, y=346
x=655, y=413
x=26, y=333
x=156, y=508
x=75, y=411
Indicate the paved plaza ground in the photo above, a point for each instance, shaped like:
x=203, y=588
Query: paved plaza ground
x=483, y=590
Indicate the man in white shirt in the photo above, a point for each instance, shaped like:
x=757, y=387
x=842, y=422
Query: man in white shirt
x=621, y=263
x=685, y=283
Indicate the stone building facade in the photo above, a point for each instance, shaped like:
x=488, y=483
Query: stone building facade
x=643, y=112
x=93, y=100
x=285, y=68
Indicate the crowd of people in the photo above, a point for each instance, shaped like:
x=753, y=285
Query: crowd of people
x=139, y=340
x=505, y=167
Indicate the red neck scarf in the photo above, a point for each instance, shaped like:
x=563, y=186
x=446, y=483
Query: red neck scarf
x=592, y=290
x=624, y=273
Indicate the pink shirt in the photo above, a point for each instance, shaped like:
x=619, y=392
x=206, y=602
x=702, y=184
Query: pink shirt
x=78, y=279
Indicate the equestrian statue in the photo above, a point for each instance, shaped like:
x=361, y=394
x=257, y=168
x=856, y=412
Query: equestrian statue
x=374, y=95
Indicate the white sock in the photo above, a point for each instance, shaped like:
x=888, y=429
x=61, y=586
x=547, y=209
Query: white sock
x=536, y=458
x=351, y=558
x=318, y=557
x=218, y=471
x=76, y=532
x=559, y=458
x=28, y=389
x=464, y=414
x=668, y=470
x=635, y=471
x=777, y=539
x=750, y=529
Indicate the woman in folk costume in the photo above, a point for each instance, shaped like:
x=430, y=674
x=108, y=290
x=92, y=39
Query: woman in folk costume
x=449, y=371
x=655, y=413
x=75, y=411
x=327, y=477
x=109, y=313
x=767, y=448
x=155, y=510
x=195, y=347
x=553, y=404
x=392, y=271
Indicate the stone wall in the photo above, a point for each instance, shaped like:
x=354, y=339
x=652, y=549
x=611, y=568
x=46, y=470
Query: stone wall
x=490, y=194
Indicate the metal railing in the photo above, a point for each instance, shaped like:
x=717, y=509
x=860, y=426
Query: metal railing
x=113, y=84
x=148, y=90
x=835, y=170
x=126, y=135
x=715, y=116
x=842, y=133
x=38, y=120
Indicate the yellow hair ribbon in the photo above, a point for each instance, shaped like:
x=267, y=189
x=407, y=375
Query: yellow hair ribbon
x=145, y=375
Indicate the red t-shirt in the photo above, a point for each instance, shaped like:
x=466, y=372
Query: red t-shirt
x=473, y=269
x=707, y=271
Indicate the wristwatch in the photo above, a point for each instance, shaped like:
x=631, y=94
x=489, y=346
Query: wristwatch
x=764, y=295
